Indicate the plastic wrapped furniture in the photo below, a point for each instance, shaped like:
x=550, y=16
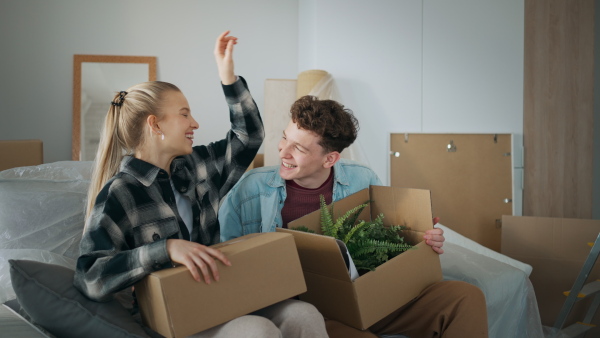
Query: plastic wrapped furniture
x=41, y=215
x=510, y=298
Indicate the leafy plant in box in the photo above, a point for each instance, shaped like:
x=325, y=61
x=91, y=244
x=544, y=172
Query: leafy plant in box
x=370, y=243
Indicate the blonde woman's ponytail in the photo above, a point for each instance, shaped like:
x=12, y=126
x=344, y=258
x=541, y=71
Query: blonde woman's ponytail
x=123, y=131
x=109, y=154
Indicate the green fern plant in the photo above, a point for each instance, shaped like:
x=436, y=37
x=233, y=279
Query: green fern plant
x=370, y=243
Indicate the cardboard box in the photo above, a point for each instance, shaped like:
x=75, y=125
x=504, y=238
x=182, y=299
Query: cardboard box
x=265, y=270
x=556, y=248
x=20, y=153
x=374, y=295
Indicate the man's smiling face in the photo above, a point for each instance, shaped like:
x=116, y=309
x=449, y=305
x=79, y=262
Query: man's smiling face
x=303, y=159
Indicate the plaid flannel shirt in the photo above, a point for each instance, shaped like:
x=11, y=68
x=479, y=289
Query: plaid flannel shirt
x=135, y=212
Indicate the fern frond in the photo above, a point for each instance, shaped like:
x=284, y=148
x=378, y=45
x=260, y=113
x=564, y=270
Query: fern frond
x=367, y=254
x=340, y=221
x=354, y=229
x=371, y=246
x=351, y=220
x=326, y=217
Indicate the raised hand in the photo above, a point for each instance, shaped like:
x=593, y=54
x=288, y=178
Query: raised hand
x=224, y=56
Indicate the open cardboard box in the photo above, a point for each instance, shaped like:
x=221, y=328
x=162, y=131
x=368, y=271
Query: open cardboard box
x=265, y=270
x=376, y=294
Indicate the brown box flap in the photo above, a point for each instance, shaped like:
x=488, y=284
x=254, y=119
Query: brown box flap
x=396, y=282
x=319, y=254
x=335, y=299
x=401, y=206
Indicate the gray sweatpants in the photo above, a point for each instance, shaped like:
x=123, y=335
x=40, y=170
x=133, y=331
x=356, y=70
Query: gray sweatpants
x=289, y=318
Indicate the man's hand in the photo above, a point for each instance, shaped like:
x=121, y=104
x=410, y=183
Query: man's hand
x=196, y=256
x=435, y=237
x=224, y=56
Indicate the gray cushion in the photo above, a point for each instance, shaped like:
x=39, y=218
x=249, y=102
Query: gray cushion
x=46, y=293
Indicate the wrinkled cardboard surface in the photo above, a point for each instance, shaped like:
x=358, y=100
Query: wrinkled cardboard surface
x=371, y=297
x=20, y=153
x=556, y=248
x=265, y=270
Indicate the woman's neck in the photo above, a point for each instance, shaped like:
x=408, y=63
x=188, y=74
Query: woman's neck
x=155, y=157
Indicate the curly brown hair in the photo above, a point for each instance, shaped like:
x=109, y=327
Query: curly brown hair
x=336, y=126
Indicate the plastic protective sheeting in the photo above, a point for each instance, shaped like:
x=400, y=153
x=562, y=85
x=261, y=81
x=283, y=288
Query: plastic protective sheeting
x=511, y=304
x=41, y=215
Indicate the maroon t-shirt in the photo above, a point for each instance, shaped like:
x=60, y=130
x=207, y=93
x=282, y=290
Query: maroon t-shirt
x=301, y=201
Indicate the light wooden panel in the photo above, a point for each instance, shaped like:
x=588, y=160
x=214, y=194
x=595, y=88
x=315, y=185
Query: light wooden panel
x=468, y=186
x=558, y=108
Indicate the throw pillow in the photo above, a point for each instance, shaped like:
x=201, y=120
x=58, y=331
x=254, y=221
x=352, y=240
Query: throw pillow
x=46, y=293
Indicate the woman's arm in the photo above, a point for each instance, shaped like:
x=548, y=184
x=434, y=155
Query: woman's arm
x=225, y=161
x=108, y=262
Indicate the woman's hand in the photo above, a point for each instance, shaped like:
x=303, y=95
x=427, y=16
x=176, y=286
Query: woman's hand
x=224, y=57
x=196, y=256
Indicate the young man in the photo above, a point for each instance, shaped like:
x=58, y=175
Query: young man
x=270, y=197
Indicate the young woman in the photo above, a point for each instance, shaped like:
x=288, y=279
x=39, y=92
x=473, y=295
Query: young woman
x=154, y=198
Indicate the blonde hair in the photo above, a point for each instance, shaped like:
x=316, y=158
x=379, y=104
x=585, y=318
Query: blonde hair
x=123, y=131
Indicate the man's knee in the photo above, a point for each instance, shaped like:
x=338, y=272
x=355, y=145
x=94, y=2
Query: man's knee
x=469, y=291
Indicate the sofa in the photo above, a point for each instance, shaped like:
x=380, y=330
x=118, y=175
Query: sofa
x=41, y=220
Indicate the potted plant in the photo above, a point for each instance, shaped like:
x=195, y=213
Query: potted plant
x=369, y=243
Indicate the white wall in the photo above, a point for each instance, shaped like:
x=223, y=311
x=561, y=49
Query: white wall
x=402, y=66
x=38, y=39
x=432, y=66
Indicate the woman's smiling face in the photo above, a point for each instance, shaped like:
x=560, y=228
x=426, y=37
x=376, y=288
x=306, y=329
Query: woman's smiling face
x=177, y=124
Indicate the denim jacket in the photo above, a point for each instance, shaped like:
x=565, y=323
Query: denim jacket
x=255, y=203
